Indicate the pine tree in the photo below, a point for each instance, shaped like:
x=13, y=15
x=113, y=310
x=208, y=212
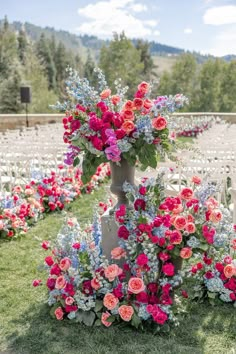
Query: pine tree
x=22, y=45
x=227, y=101
x=146, y=58
x=89, y=69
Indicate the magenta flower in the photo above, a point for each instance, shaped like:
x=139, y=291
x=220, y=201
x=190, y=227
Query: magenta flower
x=113, y=153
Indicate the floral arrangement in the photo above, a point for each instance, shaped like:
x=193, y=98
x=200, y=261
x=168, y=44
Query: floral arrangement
x=107, y=127
x=193, y=126
x=137, y=285
x=25, y=205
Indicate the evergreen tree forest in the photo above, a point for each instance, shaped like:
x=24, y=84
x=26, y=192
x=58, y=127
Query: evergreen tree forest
x=41, y=64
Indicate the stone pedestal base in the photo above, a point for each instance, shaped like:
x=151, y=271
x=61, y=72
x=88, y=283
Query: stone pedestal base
x=109, y=234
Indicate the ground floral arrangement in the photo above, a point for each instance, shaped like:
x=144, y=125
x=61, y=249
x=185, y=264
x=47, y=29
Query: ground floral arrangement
x=25, y=205
x=140, y=284
x=108, y=127
x=193, y=126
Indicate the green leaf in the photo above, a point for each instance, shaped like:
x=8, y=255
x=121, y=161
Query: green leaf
x=89, y=318
x=203, y=246
x=76, y=161
x=97, y=323
x=79, y=316
x=136, y=321
x=211, y=295
x=98, y=306
x=111, y=318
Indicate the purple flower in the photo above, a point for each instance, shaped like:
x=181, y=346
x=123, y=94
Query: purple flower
x=71, y=154
x=113, y=153
x=110, y=133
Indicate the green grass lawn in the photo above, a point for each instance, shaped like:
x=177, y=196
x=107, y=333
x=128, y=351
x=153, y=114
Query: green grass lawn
x=27, y=328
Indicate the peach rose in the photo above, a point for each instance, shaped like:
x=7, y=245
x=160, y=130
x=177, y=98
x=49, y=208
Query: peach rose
x=118, y=253
x=126, y=312
x=178, y=209
x=105, y=316
x=180, y=222
x=110, y=301
x=190, y=228
x=138, y=103
x=105, y=94
x=69, y=300
x=186, y=194
x=95, y=284
x=59, y=313
x=128, y=126
x=175, y=237
x=129, y=105
x=65, y=264
x=229, y=270
x=159, y=123
x=196, y=180
x=112, y=271
x=186, y=252
x=143, y=87
x=115, y=99
x=147, y=103
x=128, y=115
x=215, y=216
x=60, y=282
x=211, y=203
x=136, y=285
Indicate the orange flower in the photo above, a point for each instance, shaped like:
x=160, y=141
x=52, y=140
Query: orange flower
x=110, y=301
x=128, y=126
x=126, y=312
x=115, y=99
x=128, y=115
x=112, y=271
x=138, y=103
x=118, y=253
x=143, y=87
x=159, y=123
x=190, y=228
x=105, y=94
x=186, y=252
x=60, y=282
x=180, y=222
x=147, y=103
x=65, y=263
x=229, y=270
x=136, y=285
x=105, y=316
x=129, y=105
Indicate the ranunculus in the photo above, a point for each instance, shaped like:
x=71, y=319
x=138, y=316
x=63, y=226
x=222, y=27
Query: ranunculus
x=49, y=261
x=112, y=271
x=118, y=253
x=186, y=252
x=129, y=105
x=97, y=143
x=152, y=287
x=128, y=126
x=139, y=204
x=95, y=123
x=215, y=216
x=37, y=282
x=180, y=222
x=45, y=245
x=75, y=124
x=143, y=87
x=186, y=194
x=123, y=232
x=65, y=264
x=175, y=237
x=128, y=115
x=142, y=259
x=138, y=103
x=110, y=301
x=147, y=103
x=59, y=313
x=60, y=282
x=196, y=180
x=168, y=269
x=115, y=99
x=69, y=300
x=229, y=270
x=142, y=297
x=105, y=94
x=126, y=312
x=159, y=123
x=105, y=316
x=136, y=285
x=95, y=284
x=190, y=228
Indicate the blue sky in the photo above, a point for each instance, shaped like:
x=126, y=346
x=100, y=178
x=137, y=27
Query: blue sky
x=208, y=26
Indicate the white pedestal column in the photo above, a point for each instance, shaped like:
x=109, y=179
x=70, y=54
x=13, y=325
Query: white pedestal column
x=109, y=233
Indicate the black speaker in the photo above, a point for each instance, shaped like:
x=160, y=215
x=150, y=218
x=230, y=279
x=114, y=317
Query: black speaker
x=25, y=94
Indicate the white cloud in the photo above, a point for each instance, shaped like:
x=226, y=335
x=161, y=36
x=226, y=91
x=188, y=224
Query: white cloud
x=188, y=31
x=224, y=43
x=157, y=33
x=105, y=17
x=220, y=15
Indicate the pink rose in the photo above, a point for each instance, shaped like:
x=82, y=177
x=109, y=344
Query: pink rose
x=190, y=228
x=143, y=87
x=147, y=103
x=105, y=316
x=186, y=194
x=215, y=216
x=175, y=237
x=95, y=284
x=105, y=94
x=115, y=99
x=45, y=245
x=110, y=301
x=186, y=252
x=118, y=253
x=59, y=313
x=136, y=285
x=69, y=300
x=180, y=222
x=60, y=282
x=112, y=271
x=126, y=312
x=196, y=180
x=65, y=264
x=159, y=123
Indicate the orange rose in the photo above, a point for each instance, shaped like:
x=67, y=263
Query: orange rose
x=65, y=263
x=128, y=126
x=180, y=222
x=110, y=301
x=105, y=316
x=186, y=252
x=136, y=285
x=159, y=123
x=147, y=103
x=186, y=194
x=126, y=312
x=60, y=282
x=59, y=313
x=105, y=94
x=215, y=216
x=190, y=228
x=118, y=253
x=69, y=300
x=143, y=87
x=112, y=271
x=95, y=284
x=196, y=180
x=229, y=270
x=211, y=203
x=138, y=103
x=115, y=99
x=128, y=115
x=129, y=105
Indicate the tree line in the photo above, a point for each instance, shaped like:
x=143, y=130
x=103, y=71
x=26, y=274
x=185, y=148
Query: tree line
x=42, y=64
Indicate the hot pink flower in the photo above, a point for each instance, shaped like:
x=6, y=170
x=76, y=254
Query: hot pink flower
x=168, y=269
x=142, y=259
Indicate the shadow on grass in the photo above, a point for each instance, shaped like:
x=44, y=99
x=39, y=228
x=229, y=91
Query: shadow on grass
x=204, y=330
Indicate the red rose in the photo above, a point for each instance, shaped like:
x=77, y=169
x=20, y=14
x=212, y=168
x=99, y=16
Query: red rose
x=120, y=133
x=118, y=291
x=55, y=270
x=209, y=275
x=139, y=204
x=161, y=317
x=184, y=294
x=51, y=283
x=123, y=232
x=152, y=287
x=95, y=123
x=199, y=266
x=219, y=266
x=97, y=143
x=142, y=190
x=37, y=282
x=168, y=269
x=232, y=296
x=75, y=124
x=76, y=246
x=142, y=259
x=45, y=245
x=163, y=256
x=142, y=297
x=49, y=260
x=71, y=308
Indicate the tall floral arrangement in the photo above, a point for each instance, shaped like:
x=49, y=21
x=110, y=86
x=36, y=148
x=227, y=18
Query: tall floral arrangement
x=105, y=126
